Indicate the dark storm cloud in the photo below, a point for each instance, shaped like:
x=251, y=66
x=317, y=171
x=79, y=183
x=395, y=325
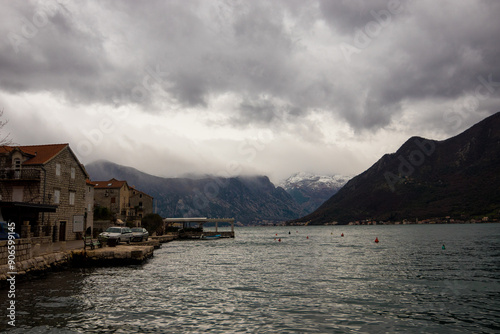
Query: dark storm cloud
x=427, y=52
x=43, y=49
x=348, y=15
x=263, y=53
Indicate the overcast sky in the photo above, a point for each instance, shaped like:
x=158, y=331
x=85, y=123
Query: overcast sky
x=229, y=87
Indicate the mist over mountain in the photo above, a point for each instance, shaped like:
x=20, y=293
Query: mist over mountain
x=249, y=199
x=458, y=177
x=311, y=190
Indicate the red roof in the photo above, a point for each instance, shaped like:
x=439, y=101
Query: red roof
x=41, y=153
x=111, y=184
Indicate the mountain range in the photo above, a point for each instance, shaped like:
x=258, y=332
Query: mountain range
x=248, y=199
x=311, y=190
x=458, y=177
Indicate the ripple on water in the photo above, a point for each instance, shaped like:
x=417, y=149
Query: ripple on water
x=254, y=284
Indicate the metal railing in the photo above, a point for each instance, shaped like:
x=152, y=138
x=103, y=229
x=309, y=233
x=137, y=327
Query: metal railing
x=20, y=174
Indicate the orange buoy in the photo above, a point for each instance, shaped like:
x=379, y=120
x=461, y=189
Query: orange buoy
x=376, y=239
x=342, y=235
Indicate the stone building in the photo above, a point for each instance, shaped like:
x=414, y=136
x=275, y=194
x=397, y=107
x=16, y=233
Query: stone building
x=141, y=203
x=43, y=188
x=123, y=201
x=114, y=195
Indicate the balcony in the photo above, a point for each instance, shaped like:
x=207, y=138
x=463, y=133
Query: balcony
x=23, y=174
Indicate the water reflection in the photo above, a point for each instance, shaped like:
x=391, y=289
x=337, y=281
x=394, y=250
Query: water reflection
x=324, y=283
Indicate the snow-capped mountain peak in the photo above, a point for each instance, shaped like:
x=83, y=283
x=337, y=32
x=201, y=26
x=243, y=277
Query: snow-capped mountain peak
x=311, y=190
x=314, y=181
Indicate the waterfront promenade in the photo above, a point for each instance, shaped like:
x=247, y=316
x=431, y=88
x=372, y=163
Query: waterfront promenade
x=31, y=260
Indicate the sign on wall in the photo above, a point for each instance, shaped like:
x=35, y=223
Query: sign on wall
x=78, y=223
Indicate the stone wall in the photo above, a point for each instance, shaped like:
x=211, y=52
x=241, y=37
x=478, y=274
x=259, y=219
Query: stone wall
x=23, y=251
x=101, y=225
x=35, y=265
x=41, y=240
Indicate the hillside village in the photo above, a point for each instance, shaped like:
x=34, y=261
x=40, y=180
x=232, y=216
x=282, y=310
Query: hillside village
x=48, y=193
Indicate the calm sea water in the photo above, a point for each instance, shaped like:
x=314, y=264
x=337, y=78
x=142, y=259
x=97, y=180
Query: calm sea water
x=313, y=281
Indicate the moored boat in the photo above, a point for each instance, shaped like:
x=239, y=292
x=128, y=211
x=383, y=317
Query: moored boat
x=210, y=237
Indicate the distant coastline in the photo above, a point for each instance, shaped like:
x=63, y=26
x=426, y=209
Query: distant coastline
x=445, y=220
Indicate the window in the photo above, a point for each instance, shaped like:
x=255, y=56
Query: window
x=113, y=199
x=57, y=196
x=71, y=198
x=58, y=169
x=17, y=168
x=73, y=172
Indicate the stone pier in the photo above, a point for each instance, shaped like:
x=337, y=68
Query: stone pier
x=112, y=256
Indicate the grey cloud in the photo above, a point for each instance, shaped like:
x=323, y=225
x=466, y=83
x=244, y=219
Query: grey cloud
x=346, y=16
x=187, y=51
x=265, y=112
x=431, y=55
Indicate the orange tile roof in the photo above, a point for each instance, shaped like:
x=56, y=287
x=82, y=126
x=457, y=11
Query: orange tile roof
x=111, y=184
x=41, y=153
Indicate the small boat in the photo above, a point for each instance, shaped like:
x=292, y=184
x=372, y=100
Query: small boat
x=210, y=237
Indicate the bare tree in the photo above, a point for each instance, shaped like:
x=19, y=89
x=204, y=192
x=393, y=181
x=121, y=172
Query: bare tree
x=4, y=138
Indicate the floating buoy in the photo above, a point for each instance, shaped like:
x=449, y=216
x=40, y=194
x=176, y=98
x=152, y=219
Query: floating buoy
x=376, y=239
x=276, y=234
x=279, y=239
x=443, y=247
x=307, y=237
x=289, y=232
x=342, y=235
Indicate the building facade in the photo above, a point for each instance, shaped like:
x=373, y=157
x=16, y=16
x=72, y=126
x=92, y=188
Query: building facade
x=124, y=202
x=141, y=203
x=44, y=187
x=114, y=195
